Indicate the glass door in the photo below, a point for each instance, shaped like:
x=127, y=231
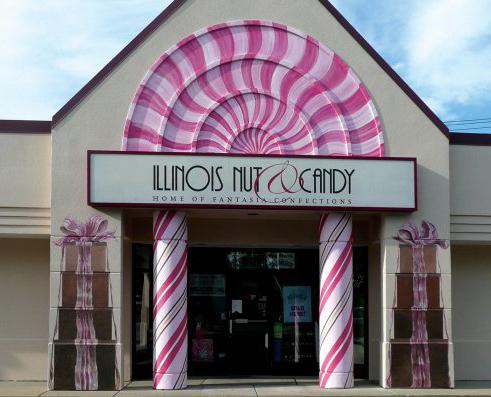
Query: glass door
x=248, y=333
x=360, y=312
x=142, y=294
x=207, y=312
x=272, y=298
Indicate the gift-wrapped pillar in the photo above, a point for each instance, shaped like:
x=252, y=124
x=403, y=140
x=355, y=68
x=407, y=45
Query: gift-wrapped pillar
x=418, y=343
x=336, y=301
x=84, y=336
x=170, y=328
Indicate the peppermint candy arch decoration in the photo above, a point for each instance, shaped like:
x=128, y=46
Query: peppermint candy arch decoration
x=256, y=87
x=253, y=87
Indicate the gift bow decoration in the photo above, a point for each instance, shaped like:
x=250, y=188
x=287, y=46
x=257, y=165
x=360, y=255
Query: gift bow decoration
x=410, y=234
x=94, y=230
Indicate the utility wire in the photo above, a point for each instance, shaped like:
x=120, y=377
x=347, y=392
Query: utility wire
x=472, y=125
x=473, y=128
x=472, y=122
x=462, y=121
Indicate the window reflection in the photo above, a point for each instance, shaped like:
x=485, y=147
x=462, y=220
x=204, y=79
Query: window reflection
x=251, y=259
x=360, y=307
x=207, y=325
x=142, y=316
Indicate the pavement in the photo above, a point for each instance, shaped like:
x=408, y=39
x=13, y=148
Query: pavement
x=247, y=387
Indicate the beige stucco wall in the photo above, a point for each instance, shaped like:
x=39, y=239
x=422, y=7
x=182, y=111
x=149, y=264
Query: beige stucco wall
x=470, y=190
x=24, y=304
x=25, y=191
x=471, y=264
x=471, y=281
x=97, y=122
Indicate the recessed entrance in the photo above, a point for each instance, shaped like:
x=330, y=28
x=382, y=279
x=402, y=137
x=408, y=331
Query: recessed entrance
x=248, y=89
x=251, y=311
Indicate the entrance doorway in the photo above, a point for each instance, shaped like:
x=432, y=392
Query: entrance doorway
x=253, y=311
x=250, y=311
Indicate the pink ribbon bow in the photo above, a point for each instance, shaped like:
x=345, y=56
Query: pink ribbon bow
x=93, y=230
x=410, y=234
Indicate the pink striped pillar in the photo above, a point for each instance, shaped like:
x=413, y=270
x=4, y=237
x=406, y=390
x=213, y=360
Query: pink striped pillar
x=336, y=301
x=170, y=328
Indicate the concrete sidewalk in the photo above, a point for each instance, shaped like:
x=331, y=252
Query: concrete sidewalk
x=247, y=387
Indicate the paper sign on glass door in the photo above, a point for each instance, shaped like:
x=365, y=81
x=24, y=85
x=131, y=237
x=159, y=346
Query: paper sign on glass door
x=297, y=306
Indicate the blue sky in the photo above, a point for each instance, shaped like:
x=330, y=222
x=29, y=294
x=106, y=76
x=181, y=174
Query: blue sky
x=50, y=49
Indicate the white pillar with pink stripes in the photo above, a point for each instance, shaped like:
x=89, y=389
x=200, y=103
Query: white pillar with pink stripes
x=170, y=327
x=336, y=301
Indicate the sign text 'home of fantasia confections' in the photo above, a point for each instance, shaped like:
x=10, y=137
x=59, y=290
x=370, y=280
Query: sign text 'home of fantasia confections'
x=250, y=181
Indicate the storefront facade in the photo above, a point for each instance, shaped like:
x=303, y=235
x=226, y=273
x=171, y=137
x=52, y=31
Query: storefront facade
x=324, y=249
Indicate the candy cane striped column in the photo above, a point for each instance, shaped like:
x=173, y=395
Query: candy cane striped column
x=336, y=301
x=170, y=328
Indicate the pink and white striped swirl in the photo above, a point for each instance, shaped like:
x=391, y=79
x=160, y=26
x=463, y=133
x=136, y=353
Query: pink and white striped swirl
x=336, y=301
x=261, y=83
x=170, y=328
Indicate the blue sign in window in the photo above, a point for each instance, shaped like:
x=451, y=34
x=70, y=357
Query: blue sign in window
x=297, y=305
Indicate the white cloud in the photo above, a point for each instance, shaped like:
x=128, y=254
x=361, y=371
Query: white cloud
x=442, y=48
x=50, y=49
x=447, y=53
x=17, y=79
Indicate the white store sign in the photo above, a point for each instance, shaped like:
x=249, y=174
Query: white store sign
x=145, y=179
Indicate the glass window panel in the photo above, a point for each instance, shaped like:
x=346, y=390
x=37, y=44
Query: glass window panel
x=243, y=260
x=279, y=260
x=207, y=285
